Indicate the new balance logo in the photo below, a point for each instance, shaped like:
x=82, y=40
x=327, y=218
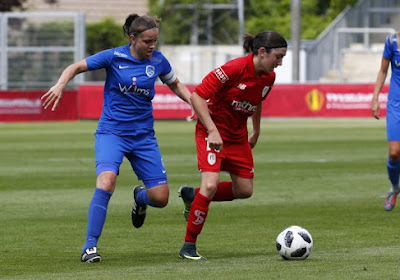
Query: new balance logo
x=200, y=218
x=241, y=86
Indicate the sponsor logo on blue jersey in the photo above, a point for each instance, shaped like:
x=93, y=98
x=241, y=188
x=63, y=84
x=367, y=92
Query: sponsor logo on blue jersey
x=133, y=89
x=120, y=54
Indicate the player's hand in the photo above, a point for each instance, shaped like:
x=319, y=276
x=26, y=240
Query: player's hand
x=215, y=141
x=192, y=114
x=53, y=96
x=375, y=109
x=253, y=140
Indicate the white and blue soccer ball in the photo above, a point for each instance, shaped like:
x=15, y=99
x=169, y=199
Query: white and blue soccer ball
x=294, y=243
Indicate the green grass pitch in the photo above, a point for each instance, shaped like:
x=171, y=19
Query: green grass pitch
x=325, y=175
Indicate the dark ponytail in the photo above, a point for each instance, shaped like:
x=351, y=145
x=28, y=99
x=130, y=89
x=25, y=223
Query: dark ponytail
x=267, y=39
x=248, y=42
x=135, y=24
x=128, y=23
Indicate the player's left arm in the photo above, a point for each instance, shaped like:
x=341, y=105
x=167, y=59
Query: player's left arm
x=182, y=92
x=168, y=77
x=256, y=120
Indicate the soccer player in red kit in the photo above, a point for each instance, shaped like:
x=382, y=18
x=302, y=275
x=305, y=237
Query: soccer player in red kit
x=223, y=102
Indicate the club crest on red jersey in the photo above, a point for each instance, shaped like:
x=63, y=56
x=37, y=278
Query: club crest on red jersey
x=211, y=158
x=265, y=91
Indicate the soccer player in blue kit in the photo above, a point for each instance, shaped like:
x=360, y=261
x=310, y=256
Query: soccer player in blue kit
x=126, y=124
x=391, y=55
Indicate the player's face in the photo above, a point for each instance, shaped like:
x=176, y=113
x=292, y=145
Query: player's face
x=271, y=60
x=143, y=45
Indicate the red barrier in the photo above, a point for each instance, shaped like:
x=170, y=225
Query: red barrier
x=166, y=105
x=90, y=101
x=27, y=106
x=299, y=100
x=322, y=100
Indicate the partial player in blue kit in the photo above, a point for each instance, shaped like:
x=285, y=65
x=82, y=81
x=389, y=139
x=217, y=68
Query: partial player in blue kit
x=126, y=125
x=391, y=56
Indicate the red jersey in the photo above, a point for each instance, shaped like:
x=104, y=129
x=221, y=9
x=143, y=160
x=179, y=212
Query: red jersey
x=233, y=92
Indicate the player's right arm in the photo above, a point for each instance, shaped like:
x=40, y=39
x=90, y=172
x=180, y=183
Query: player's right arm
x=54, y=95
x=380, y=80
x=212, y=83
x=200, y=106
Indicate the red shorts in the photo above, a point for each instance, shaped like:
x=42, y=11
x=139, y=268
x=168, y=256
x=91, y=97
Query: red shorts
x=235, y=158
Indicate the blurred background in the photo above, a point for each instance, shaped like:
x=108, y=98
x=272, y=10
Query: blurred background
x=330, y=42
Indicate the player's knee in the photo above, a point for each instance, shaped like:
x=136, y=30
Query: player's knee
x=210, y=188
x=246, y=193
x=159, y=196
x=394, y=155
x=161, y=203
x=243, y=190
x=106, y=181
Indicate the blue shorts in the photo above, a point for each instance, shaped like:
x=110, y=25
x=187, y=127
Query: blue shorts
x=141, y=150
x=393, y=120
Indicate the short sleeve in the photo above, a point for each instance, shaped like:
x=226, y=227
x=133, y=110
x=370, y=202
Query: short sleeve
x=167, y=76
x=387, y=51
x=99, y=60
x=218, y=78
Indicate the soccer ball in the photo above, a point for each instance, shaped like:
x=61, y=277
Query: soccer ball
x=294, y=243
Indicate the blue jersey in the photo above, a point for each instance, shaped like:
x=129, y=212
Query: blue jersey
x=392, y=53
x=129, y=88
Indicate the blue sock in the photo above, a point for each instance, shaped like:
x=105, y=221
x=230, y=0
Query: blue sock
x=143, y=199
x=96, y=217
x=393, y=168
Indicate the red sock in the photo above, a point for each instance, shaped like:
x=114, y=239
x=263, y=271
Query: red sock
x=197, y=217
x=224, y=192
